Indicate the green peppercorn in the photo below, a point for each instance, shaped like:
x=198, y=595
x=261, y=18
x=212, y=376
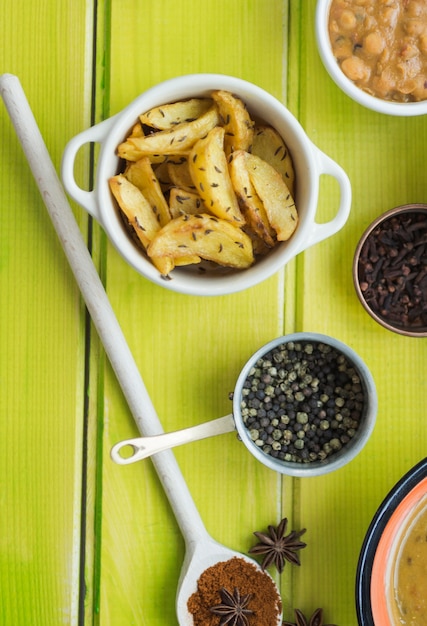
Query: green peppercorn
x=302, y=417
x=254, y=434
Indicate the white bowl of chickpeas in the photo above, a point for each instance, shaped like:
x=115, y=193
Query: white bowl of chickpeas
x=376, y=52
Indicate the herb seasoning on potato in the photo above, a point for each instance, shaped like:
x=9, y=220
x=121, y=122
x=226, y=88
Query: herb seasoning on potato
x=204, y=182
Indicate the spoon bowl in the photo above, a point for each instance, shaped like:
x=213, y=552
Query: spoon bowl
x=200, y=557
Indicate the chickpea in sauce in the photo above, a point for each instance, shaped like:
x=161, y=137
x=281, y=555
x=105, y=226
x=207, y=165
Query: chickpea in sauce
x=381, y=45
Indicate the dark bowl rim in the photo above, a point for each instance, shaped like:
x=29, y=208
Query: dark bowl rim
x=401, y=209
x=372, y=538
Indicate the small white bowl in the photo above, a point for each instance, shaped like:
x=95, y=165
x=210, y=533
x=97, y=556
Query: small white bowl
x=348, y=450
x=403, y=109
x=285, y=402
x=309, y=163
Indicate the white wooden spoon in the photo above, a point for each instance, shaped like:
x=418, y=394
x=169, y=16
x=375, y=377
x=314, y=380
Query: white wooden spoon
x=201, y=550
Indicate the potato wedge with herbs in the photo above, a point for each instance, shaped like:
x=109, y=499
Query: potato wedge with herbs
x=275, y=196
x=179, y=174
x=249, y=201
x=162, y=175
x=136, y=208
x=269, y=146
x=137, y=130
x=140, y=173
x=259, y=246
x=235, y=119
x=204, y=236
x=165, y=264
x=183, y=202
x=169, y=115
x=177, y=140
x=209, y=171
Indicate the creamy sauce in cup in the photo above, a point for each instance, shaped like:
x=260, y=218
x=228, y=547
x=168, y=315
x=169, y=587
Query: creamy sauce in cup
x=410, y=573
x=381, y=45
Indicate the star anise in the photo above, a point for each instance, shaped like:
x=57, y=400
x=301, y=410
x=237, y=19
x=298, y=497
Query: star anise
x=315, y=620
x=278, y=547
x=233, y=608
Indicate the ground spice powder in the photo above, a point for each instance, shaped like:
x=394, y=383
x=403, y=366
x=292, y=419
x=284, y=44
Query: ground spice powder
x=247, y=578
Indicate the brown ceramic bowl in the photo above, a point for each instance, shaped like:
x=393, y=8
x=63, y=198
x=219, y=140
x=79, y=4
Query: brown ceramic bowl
x=390, y=270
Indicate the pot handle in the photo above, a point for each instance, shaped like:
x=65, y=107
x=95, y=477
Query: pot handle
x=94, y=134
x=328, y=166
x=143, y=447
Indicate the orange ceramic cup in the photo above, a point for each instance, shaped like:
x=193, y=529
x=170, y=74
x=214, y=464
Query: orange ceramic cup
x=384, y=565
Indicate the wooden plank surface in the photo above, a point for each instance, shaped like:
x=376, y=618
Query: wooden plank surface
x=41, y=328
x=189, y=350
x=57, y=437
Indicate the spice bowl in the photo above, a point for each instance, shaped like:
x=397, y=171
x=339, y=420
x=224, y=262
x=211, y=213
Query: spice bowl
x=391, y=577
x=390, y=270
x=309, y=165
x=305, y=404
x=376, y=98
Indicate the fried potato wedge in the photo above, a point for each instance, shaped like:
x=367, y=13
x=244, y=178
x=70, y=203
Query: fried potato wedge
x=140, y=173
x=179, y=174
x=162, y=175
x=135, y=207
x=249, y=201
x=183, y=202
x=169, y=115
x=209, y=171
x=235, y=119
x=269, y=146
x=137, y=130
x=177, y=140
x=165, y=264
x=259, y=246
x=204, y=236
x=275, y=196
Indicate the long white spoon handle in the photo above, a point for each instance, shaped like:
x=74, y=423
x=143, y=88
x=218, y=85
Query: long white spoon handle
x=97, y=302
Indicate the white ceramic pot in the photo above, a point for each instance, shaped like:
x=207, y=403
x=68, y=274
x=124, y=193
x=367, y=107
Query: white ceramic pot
x=309, y=163
x=142, y=447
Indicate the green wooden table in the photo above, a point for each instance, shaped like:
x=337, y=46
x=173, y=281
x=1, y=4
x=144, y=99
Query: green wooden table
x=82, y=540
